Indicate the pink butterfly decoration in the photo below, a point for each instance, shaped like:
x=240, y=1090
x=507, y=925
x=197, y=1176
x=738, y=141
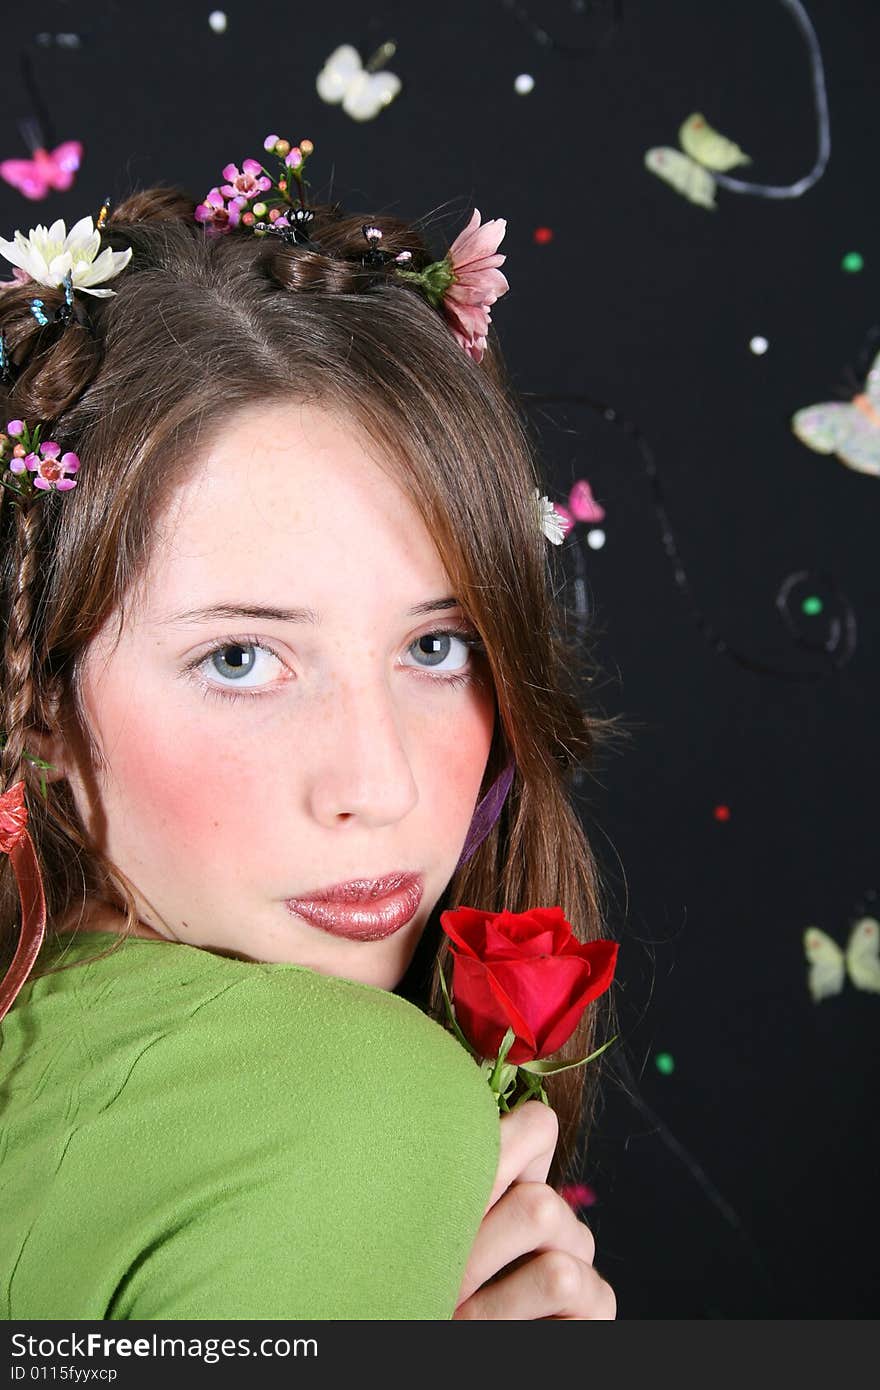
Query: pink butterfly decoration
x=48, y=169
x=583, y=504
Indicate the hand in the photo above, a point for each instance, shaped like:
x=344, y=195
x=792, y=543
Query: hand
x=532, y=1257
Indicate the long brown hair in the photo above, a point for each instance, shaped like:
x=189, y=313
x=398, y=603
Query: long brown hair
x=200, y=326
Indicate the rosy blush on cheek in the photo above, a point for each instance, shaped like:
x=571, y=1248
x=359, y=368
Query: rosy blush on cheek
x=463, y=765
x=176, y=797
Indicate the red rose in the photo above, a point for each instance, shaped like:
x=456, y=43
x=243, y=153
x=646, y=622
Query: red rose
x=525, y=971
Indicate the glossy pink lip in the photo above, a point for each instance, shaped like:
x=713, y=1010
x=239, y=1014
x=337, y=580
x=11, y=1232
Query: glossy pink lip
x=362, y=909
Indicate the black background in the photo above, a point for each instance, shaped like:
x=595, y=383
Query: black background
x=744, y=1183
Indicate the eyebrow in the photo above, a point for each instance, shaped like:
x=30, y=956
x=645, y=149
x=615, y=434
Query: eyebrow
x=284, y=615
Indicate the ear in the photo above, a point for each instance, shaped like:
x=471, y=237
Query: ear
x=50, y=748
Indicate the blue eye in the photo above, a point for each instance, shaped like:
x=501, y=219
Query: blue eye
x=436, y=645
x=243, y=660
x=233, y=659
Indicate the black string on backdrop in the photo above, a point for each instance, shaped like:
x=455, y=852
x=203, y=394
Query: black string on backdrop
x=603, y=18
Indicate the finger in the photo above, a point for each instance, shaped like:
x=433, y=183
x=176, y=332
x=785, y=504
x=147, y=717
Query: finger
x=553, y=1284
x=529, y=1217
x=528, y=1142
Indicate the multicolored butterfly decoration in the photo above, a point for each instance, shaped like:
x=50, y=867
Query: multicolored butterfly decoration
x=688, y=172
x=49, y=169
x=829, y=963
x=362, y=90
x=851, y=430
x=63, y=314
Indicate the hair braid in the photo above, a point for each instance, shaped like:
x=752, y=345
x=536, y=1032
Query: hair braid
x=18, y=655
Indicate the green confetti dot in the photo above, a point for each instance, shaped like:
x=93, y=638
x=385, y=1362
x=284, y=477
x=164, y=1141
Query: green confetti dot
x=664, y=1063
x=852, y=262
x=811, y=606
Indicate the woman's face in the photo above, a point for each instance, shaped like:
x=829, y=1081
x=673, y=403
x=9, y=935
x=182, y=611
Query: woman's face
x=254, y=758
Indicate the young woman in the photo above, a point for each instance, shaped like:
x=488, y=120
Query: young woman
x=291, y=624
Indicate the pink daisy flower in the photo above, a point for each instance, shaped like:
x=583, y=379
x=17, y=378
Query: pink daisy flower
x=477, y=282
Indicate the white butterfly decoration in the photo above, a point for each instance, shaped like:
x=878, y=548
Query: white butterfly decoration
x=704, y=149
x=828, y=962
x=362, y=91
x=849, y=430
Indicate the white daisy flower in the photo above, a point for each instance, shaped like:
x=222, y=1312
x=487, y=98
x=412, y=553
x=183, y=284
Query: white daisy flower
x=551, y=523
x=47, y=255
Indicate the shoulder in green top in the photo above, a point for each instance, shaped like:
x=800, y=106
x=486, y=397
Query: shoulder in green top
x=186, y=1135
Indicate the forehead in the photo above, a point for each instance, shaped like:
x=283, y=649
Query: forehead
x=290, y=504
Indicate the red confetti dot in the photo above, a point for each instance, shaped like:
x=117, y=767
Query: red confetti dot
x=542, y=235
x=722, y=813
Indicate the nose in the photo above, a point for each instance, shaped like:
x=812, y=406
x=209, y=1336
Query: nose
x=364, y=769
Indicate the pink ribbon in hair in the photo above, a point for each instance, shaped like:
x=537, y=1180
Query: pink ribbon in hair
x=16, y=842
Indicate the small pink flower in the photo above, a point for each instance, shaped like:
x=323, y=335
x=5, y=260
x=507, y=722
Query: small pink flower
x=245, y=184
x=477, y=282
x=579, y=1194
x=50, y=470
x=216, y=214
x=270, y=142
x=15, y=428
x=294, y=159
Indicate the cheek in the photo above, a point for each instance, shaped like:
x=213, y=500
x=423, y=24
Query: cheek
x=461, y=750
x=169, y=782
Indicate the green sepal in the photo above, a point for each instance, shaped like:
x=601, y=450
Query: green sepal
x=542, y=1068
x=499, y=1068
x=434, y=280
x=534, y=1089
x=506, y=1076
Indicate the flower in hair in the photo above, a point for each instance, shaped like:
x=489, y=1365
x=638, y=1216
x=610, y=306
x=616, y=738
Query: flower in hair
x=49, y=255
x=467, y=282
x=216, y=213
x=247, y=185
x=251, y=198
x=477, y=282
x=46, y=463
x=552, y=524
x=463, y=285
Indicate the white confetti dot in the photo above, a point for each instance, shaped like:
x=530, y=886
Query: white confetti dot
x=759, y=346
x=524, y=83
x=596, y=538
x=217, y=21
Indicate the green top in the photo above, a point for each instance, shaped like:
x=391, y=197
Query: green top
x=186, y=1135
